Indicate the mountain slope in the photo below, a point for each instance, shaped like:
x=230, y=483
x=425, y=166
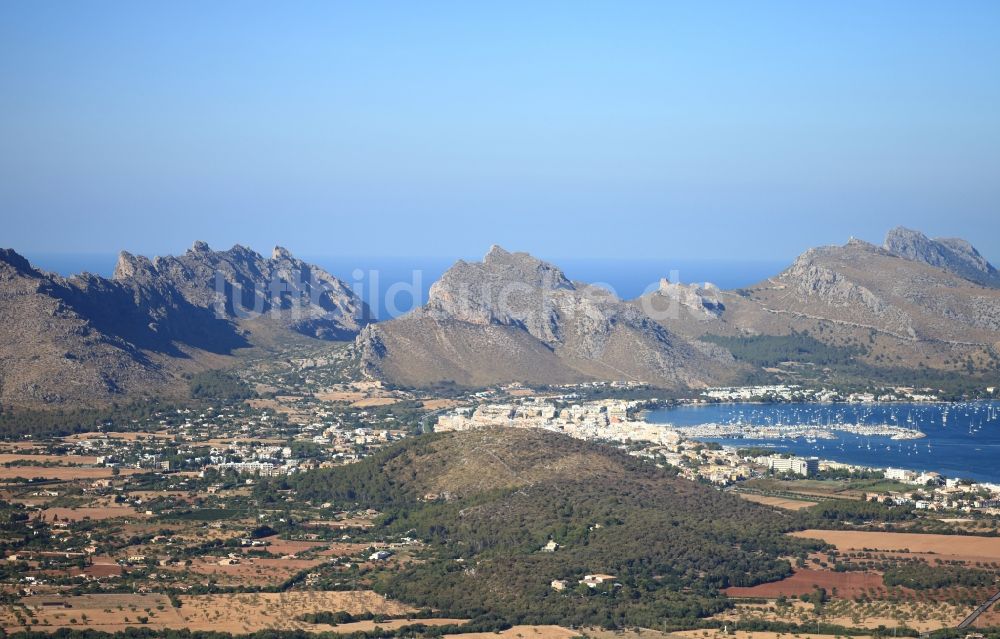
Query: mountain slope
x=951, y=254
x=513, y=317
x=86, y=340
x=899, y=312
x=240, y=284
x=486, y=501
x=52, y=353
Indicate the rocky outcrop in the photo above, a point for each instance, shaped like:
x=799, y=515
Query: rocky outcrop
x=52, y=353
x=951, y=254
x=893, y=310
x=240, y=284
x=88, y=340
x=513, y=317
x=812, y=276
x=700, y=300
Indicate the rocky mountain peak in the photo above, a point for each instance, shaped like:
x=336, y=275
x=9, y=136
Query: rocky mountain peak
x=951, y=254
x=858, y=244
x=243, y=253
x=522, y=268
x=516, y=317
x=131, y=266
x=496, y=252
x=239, y=284
x=17, y=261
x=704, y=300
x=505, y=288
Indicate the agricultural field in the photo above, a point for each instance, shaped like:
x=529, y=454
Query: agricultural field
x=23, y=457
x=805, y=581
x=819, y=489
x=92, y=513
x=312, y=506
x=966, y=547
x=878, y=579
x=525, y=632
x=922, y=616
x=59, y=473
x=233, y=613
x=778, y=502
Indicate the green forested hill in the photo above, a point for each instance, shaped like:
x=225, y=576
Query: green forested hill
x=671, y=543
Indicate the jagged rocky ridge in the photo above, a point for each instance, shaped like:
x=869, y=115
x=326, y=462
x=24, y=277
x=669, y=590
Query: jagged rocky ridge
x=951, y=254
x=894, y=303
x=87, y=340
x=910, y=303
x=241, y=284
x=513, y=317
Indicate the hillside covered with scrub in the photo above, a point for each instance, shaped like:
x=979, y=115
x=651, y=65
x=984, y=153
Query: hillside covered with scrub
x=487, y=502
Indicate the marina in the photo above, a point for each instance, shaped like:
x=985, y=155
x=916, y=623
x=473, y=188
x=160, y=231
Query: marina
x=958, y=439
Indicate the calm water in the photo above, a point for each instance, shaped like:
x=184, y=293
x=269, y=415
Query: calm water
x=963, y=440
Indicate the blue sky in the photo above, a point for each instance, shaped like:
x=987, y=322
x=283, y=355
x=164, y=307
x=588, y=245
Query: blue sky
x=739, y=130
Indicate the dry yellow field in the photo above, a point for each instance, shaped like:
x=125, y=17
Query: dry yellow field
x=91, y=512
x=61, y=473
x=65, y=460
x=251, y=570
x=523, y=632
x=372, y=402
x=925, y=616
x=965, y=546
x=632, y=633
x=234, y=613
x=369, y=626
x=438, y=404
x=129, y=436
x=778, y=502
x=259, y=611
x=740, y=634
x=339, y=396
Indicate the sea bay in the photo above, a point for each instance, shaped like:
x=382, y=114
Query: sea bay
x=961, y=439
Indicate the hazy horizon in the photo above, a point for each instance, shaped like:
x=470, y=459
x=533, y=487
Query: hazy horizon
x=371, y=276
x=744, y=131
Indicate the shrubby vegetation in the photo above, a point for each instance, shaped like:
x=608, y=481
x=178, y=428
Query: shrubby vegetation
x=60, y=423
x=920, y=576
x=488, y=623
x=220, y=386
x=671, y=544
x=844, y=511
x=842, y=367
x=770, y=350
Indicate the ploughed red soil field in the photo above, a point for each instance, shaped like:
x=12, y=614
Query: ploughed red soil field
x=804, y=581
x=101, y=570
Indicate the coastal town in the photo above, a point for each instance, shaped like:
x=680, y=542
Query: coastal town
x=621, y=422
x=162, y=502
x=310, y=425
x=472, y=320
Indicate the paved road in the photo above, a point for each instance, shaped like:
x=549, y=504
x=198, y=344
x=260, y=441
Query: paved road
x=971, y=619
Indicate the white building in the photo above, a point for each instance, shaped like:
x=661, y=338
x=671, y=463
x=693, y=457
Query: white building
x=805, y=466
x=900, y=474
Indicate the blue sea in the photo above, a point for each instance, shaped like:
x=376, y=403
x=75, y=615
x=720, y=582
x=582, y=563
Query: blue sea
x=962, y=439
x=395, y=285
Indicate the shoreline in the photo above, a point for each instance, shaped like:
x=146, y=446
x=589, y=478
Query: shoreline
x=926, y=436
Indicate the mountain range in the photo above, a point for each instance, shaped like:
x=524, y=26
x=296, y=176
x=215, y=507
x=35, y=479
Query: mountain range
x=912, y=305
x=513, y=317
x=88, y=340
